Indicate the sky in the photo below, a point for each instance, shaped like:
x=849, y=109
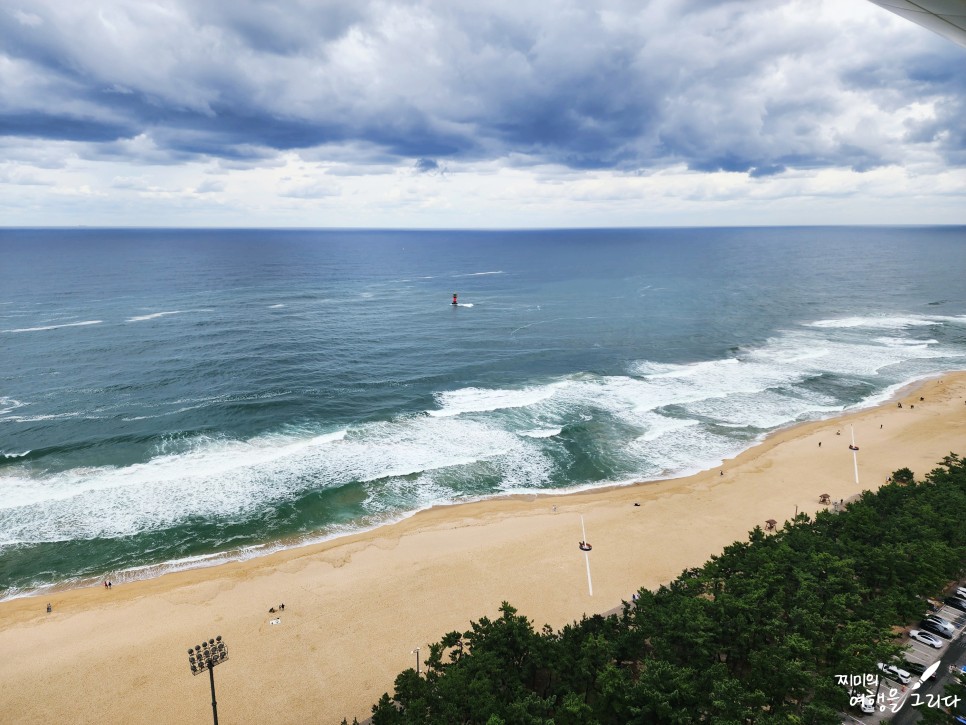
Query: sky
x=484, y=114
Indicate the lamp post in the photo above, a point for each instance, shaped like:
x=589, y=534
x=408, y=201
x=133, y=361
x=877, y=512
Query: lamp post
x=416, y=652
x=205, y=656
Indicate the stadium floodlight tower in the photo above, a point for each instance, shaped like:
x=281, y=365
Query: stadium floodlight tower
x=205, y=656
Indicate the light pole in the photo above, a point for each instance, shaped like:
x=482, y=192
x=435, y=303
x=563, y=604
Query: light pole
x=205, y=656
x=416, y=652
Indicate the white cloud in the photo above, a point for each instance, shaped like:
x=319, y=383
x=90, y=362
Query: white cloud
x=308, y=190
x=210, y=186
x=541, y=114
x=28, y=19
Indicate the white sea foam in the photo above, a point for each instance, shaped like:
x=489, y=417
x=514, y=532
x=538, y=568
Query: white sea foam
x=952, y=319
x=903, y=342
x=329, y=437
x=197, y=403
x=763, y=410
x=672, y=419
x=275, y=307
x=148, y=571
x=151, y=571
x=154, y=316
x=8, y=405
x=541, y=432
x=478, y=274
x=682, y=452
x=133, y=418
x=477, y=400
x=55, y=327
x=198, y=459
x=761, y=388
x=49, y=416
x=883, y=322
x=661, y=426
x=697, y=381
x=215, y=477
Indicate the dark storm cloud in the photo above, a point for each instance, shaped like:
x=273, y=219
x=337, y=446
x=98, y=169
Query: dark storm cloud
x=736, y=86
x=426, y=166
x=287, y=28
x=941, y=75
x=53, y=125
x=759, y=172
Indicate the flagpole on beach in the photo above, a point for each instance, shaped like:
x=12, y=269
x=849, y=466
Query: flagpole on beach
x=583, y=530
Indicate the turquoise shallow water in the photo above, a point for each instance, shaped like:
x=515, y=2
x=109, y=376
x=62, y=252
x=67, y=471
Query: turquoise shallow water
x=175, y=398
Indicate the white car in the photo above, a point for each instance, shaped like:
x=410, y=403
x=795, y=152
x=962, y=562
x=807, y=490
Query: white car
x=895, y=673
x=926, y=638
x=864, y=700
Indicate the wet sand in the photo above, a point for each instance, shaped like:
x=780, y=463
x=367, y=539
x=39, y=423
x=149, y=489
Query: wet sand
x=356, y=607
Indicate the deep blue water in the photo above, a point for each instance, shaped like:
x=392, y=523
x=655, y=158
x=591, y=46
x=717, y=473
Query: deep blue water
x=172, y=398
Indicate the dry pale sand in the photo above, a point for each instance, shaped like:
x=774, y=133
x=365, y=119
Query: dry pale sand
x=355, y=608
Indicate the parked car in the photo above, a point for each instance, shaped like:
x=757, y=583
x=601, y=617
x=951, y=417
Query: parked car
x=956, y=603
x=917, y=668
x=958, y=592
x=895, y=673
x=944, y=623
x=934, y=628
x=939, y=620
x=864, y=700
x=926, y=638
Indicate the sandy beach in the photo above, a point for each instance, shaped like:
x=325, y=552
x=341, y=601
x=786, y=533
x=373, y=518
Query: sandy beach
x=357, y=607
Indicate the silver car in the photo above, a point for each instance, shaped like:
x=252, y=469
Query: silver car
x=943, y=624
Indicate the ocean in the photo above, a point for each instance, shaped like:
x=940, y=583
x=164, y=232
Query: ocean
x=178, y=398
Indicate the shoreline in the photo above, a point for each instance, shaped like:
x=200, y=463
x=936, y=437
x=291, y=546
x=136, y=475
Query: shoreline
x=357, y=605
x=281, y=546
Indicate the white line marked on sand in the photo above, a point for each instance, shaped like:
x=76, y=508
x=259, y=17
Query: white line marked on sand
x=583, y=530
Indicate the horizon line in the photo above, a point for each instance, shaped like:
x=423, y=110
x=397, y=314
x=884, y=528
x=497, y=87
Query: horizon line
x=97, y=227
